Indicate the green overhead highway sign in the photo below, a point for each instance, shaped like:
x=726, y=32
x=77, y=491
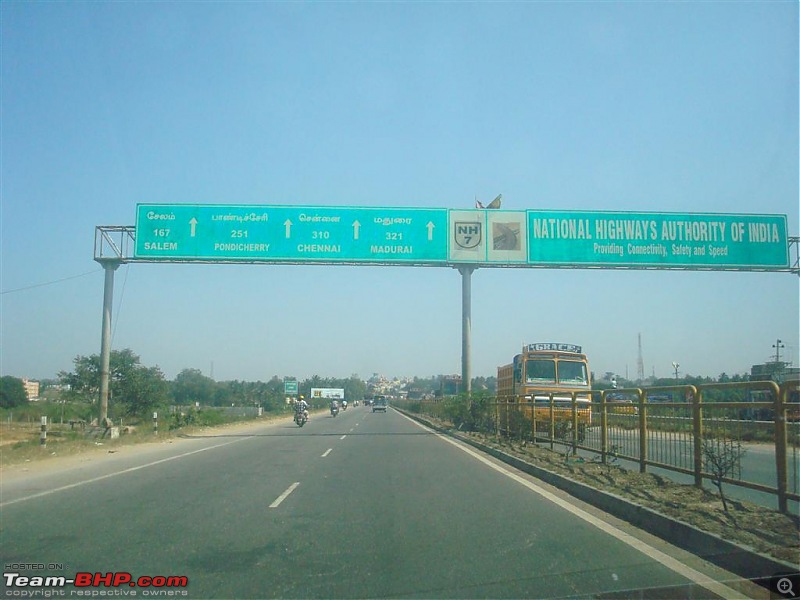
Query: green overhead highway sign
x=290, y=234
x=451, y=237
x=667, y=240
x=541, y=238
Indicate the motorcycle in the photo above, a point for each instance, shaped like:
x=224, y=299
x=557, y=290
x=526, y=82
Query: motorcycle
x=300, y=417
x=334, y=411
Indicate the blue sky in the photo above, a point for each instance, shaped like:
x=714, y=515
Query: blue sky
x=667, y=107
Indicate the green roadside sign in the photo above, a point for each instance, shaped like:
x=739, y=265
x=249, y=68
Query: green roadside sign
x=290, y=387
x=292, y=234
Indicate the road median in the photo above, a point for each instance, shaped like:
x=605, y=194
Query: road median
x=774, y=537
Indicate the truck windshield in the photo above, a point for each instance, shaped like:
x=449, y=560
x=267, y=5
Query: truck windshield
x=540, y=371
x=572, y=372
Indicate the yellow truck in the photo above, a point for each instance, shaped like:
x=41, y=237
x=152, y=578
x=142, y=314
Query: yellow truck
x=542, y=382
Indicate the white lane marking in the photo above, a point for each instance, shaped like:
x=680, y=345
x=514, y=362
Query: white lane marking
x=328, y=451
x=110, y=475
x=344, y=436
x=283, y=496
x=646, y=549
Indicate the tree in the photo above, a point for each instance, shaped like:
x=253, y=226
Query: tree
x=134, y=388
x=484, y=384
x=354, y=388
x=476, y=413
x=12, y=392
x=83, y=384
x=143, y=390
x=722, y=456
x=192, y=386
x=273, y=398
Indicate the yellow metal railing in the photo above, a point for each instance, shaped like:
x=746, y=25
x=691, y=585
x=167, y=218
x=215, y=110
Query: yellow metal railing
x=672, y=427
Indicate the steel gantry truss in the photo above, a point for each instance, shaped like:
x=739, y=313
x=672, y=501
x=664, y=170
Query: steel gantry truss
x=115, y=245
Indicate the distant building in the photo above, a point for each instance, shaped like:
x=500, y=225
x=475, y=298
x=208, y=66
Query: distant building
x=32, y=389
x=415, y=393
x=449, y=385
x=779, y=372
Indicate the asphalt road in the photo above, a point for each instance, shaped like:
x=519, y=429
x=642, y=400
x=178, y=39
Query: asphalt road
x=361, y=506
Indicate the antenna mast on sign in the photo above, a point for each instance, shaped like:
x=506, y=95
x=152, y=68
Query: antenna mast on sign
x=640, y=361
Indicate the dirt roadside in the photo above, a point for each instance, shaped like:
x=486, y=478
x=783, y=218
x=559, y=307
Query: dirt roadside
x=20, y=451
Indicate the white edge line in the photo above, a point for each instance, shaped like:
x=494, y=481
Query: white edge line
x=110, y=475
x=283, y=496
x=646, y=549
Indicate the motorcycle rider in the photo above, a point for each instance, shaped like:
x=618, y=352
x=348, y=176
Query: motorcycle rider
x=301, y=406
x=334, y=406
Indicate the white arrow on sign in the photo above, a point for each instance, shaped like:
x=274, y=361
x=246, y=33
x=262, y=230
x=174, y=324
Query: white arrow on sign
x=193, y=223
x=430, y=227
x=288, y=225
x=356, y=228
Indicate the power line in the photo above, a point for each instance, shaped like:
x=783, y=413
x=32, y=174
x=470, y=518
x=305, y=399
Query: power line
x=119, y=306
x=36, y=285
